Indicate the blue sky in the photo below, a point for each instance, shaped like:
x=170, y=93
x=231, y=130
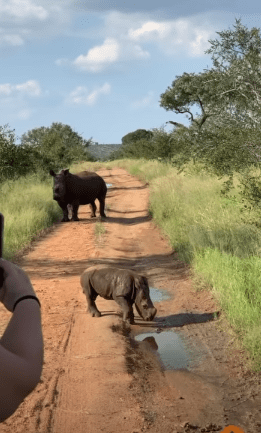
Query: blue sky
x=100, y=66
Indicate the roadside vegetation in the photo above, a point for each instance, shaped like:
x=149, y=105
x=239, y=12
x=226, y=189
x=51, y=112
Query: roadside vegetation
x=205, y=187
x=28, y=207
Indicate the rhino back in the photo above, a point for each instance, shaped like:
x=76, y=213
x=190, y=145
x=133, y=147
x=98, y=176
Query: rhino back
x=103, y=282
x=85, y=189
x=86, y=174
x=110, y=281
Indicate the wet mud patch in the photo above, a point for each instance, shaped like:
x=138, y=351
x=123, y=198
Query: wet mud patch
x=146, y=372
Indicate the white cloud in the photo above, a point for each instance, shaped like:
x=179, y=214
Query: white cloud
x=81, y=95
x=30, y=88
x=99, y=57
x=134, y=51
x=22, y=20
x=24, y=114
x=22, y=9
x=150, y=28
x=144, y=102
x=11, y=39
x=172, y=37
x=107, y=54
x=5, y=89
x=200, y=43
x=61, y=62
x=188, y=36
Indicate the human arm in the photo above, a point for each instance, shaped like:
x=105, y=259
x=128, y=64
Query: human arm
x=21, y=346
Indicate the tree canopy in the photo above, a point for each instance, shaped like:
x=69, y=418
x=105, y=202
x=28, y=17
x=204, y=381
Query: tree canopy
x=41, y=149
x=139, y=134
x=231, y=90
x=58, y=143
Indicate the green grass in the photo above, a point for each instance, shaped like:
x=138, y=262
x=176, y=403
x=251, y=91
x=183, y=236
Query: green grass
x=236, y=284
x=99, y=230
x=28, y=207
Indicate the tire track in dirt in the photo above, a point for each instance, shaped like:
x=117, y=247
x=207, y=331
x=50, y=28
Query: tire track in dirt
x=97, y=380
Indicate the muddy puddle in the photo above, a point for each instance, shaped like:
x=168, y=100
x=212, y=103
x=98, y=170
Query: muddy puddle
x=157, y=295
x=171, y=348
x=169, y=345
x=109, y=185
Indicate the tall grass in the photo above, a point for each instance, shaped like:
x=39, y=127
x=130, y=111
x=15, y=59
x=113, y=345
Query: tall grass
x=28, y=207
x=236, y=283
x=195, y=216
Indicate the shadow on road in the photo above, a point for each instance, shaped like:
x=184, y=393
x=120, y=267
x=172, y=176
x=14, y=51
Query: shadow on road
x=129, y=221
x=150, y=266
x=129, y=188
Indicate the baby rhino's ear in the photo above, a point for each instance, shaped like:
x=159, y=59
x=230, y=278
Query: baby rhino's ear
x=141, y=282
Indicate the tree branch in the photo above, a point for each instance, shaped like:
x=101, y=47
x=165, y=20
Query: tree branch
x=180, y=125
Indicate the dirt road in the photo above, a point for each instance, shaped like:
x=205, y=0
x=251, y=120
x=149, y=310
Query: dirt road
x=96, y=377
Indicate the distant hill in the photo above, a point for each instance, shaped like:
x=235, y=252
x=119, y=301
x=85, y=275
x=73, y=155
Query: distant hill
x=102, y=151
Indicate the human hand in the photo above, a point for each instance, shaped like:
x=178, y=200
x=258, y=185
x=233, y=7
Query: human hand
x=14, y=284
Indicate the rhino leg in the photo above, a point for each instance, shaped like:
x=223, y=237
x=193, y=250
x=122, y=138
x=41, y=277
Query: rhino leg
x=91, y=296
x=75, y=208
x=69, y=207
x=93, y=310
x=65, y=215
x=128, y=315
x=102, y=206
x=93, y=209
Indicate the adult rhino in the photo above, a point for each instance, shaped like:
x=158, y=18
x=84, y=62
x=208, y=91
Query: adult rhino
x=78, y=189
x=124, y=286
x=84, y=173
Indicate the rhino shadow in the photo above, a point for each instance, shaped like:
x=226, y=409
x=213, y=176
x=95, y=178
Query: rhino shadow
x=161, y=323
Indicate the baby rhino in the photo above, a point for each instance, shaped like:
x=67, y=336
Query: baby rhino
x=124, y=286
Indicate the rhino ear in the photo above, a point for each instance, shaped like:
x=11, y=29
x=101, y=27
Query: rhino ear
x=138, y=284
x=52, y=173
x=66, y=171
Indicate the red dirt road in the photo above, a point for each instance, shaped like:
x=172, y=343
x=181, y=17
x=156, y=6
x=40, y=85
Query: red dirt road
x=96, y=378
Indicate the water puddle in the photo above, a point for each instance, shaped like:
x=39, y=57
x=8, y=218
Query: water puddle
x=157, y=295
x=171, y=349
x=108, y=185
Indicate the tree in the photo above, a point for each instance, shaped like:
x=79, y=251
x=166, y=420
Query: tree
x=58, y=145
x=236, y=55
x=193, y=89
x=14, y=160
x=139, y=134
x=231, y=90
x=69, y=137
